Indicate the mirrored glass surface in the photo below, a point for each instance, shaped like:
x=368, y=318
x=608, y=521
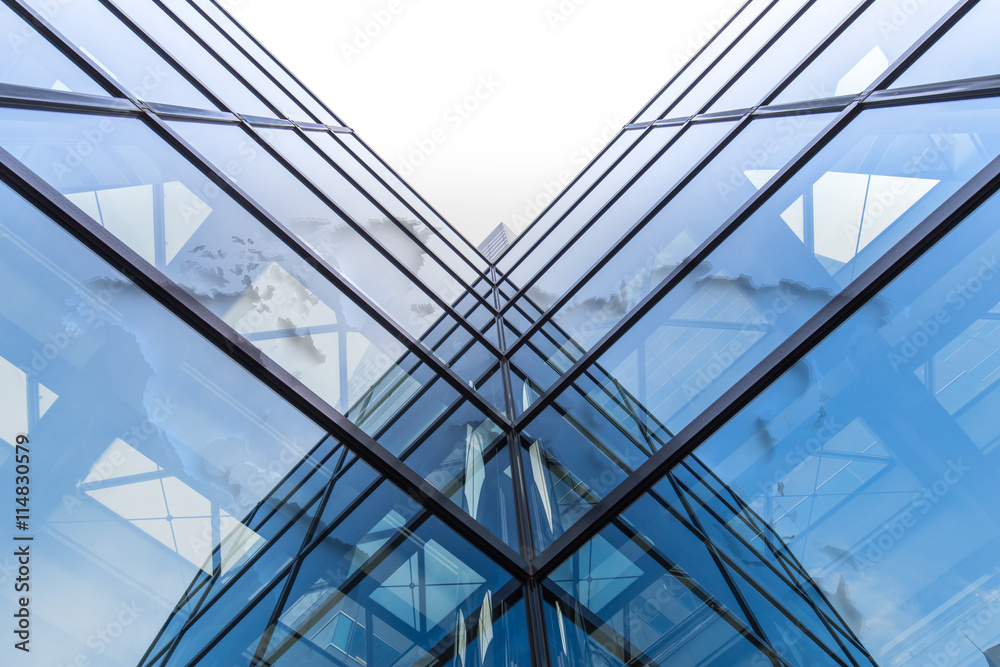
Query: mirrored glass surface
x=972, y=37
x=873, y=459
x=866, y=49
x=28, y=59
x=117, y=50
x=144, y=446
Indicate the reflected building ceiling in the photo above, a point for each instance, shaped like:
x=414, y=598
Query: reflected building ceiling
x=730, y=400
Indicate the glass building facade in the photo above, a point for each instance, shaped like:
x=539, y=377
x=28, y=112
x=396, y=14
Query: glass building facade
x=732, y=399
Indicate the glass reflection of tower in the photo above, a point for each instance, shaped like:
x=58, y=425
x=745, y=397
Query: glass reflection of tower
x=730, y=400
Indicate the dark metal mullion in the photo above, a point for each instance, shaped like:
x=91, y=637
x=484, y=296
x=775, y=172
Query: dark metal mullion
x=309, y=255
x=786, y=580
x=753, y=634
x=213, y=54
x=550, y=313
x=785, y=356
x=587, y=618
x=718, y=555
x=344, y=590
x=210, y=326
x=279, y=606
x=277, y=63
x=12, y=95
x=389, y=216
x=423, y=201
x=367, y=236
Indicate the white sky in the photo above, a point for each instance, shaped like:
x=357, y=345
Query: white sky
x=563, y=76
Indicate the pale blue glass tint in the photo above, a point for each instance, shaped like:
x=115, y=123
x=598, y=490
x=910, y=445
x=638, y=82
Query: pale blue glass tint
x=755, y=38
x=193, y=57
x=248, y=164
x=91, y=27
x=972, y=37
x=565, y=199
x=629, y=209
x=28, y=59
x=867, y=48
x=223, y=20
x=142, y=463
x=396, y=236
x=400, y=189
x=874, y=458
x=140, y=189
x=724, y=40
x=229, y=53
x=854, y=200
x=384, y=195
x=776, y=63
x=638, y=155
x=747, y=163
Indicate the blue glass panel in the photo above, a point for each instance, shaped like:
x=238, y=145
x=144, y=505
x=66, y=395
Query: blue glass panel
x=28, y=59
x=874, y=458
x=142, y=464
x=139, y=188
x=412, y=583
x=633, y=205
x=865, y=50
x=257, y=172
x=656, y=598
x=397, y=237
x=747, y=163
x=101, y=35
x=870, y=186
x=972, y=37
